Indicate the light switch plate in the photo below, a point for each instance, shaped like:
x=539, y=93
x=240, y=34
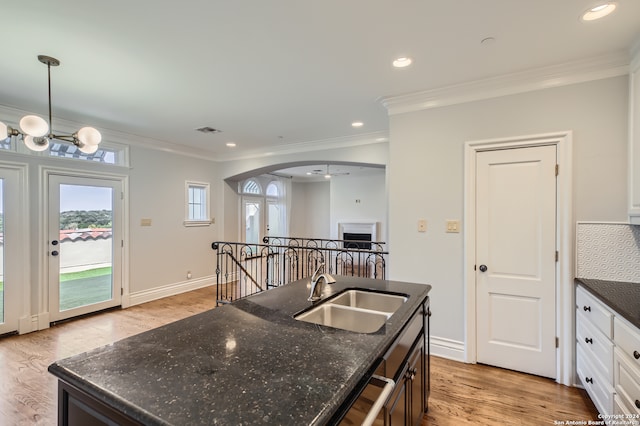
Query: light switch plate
x=453, y=226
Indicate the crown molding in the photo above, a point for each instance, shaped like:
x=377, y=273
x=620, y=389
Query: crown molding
x=606, y=66
x=315, y=145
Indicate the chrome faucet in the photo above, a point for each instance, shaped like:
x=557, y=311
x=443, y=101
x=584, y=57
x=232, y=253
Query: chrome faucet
x=316, y=283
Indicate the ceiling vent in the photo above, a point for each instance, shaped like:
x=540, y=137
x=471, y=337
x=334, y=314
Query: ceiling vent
x=208, y=129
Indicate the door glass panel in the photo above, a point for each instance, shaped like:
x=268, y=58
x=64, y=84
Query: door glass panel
x=252, y=222
x=85, y=245
x=1, y=251
x=275, y=220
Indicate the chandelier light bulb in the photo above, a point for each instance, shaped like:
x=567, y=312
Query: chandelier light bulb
x=34, y=126
x=89, y=136
x=3, y=131
x=88, y=149
x=36, y=143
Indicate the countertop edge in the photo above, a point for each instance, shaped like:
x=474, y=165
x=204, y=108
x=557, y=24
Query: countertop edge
x=616, y=301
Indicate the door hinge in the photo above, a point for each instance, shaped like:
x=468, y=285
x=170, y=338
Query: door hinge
x=122, y=293
x=557, y=255
x=122, y=195
x=557, y=169
x=557, y=342
x=121, y=243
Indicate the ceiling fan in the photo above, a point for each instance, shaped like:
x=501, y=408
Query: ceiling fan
x=327, y=173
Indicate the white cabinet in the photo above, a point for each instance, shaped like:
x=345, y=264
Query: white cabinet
x=627, y=366
x=634, y=141
x=594, y=350
x=607, y=357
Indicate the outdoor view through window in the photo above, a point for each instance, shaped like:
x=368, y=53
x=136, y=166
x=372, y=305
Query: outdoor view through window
x=86, y=245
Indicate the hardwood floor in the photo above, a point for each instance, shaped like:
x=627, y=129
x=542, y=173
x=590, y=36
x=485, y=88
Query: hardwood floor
x=474, y=394
x=28, y=393
x=460, y=393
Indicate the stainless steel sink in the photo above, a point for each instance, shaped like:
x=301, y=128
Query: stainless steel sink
x=360, y=311
x=383, y=302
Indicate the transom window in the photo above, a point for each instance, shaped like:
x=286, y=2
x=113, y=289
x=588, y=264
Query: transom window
x=251, y=187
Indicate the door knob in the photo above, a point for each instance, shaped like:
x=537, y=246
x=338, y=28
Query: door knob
x=54, y=242
x=54, y=253
x=483, y=268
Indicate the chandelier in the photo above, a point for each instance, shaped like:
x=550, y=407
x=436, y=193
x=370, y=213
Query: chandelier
x=36, y=132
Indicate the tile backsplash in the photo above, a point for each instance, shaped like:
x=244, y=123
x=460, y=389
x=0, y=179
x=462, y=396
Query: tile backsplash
x=608, y=251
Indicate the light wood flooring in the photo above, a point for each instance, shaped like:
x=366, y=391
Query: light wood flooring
x=461, y=394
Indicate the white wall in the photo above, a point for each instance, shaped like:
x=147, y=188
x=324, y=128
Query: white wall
x=310, y=210
x=426, y=176
x=161, y=254
x=359, y=199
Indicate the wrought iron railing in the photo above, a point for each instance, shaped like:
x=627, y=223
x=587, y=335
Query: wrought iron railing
x=244, y=269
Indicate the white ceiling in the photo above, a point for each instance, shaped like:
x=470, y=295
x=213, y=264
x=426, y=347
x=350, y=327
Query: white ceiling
x=276, y=74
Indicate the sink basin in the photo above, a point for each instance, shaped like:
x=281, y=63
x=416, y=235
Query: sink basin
x=383, y=302
x=336, y=316
x=360, y=311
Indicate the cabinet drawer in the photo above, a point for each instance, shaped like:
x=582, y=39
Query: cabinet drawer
x=598, y=388
x=595, y=311
x=596, y=346
x=627, y=338
x=627, y=381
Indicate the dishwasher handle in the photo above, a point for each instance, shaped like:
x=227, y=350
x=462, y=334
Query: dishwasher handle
x=382, y=399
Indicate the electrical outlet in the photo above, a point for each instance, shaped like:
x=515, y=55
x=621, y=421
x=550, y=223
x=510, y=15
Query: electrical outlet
x=145, y=222
x=422, y=225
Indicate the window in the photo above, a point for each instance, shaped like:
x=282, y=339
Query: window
x=197, y=204
x=5, y=144
x=107, y=153
x=251, y=187
x=66, y=150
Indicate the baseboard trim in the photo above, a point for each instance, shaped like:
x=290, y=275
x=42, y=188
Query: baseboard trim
x=447, y=348
x=170, y=290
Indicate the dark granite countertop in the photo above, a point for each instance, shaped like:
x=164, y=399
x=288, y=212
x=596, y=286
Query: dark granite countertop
x=622, y=297
x=248, y=362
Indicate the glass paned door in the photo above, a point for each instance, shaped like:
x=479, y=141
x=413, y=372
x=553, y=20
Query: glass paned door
x=12, y=246
x=252, y=220
x=275, y=226
x=85, y=218
x=1, y=251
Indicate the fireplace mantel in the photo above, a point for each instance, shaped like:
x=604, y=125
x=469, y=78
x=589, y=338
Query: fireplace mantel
x=358, y=228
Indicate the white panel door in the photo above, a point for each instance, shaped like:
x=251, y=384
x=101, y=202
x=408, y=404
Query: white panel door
x=515, y=259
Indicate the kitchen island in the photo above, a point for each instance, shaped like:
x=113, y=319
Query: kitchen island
x=249, y=362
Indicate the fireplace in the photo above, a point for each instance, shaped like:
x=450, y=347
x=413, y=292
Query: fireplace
x=354, y=240
x=359, y=234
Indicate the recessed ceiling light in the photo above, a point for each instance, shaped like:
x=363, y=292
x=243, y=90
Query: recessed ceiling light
x=402, y=62
x=599, y=11
x=357, y=124
x=231, y=144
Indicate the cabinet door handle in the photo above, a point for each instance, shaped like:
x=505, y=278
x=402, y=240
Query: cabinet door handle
x=587, y=308
x=588, y=340
x=636, y=354
x=589, y=380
